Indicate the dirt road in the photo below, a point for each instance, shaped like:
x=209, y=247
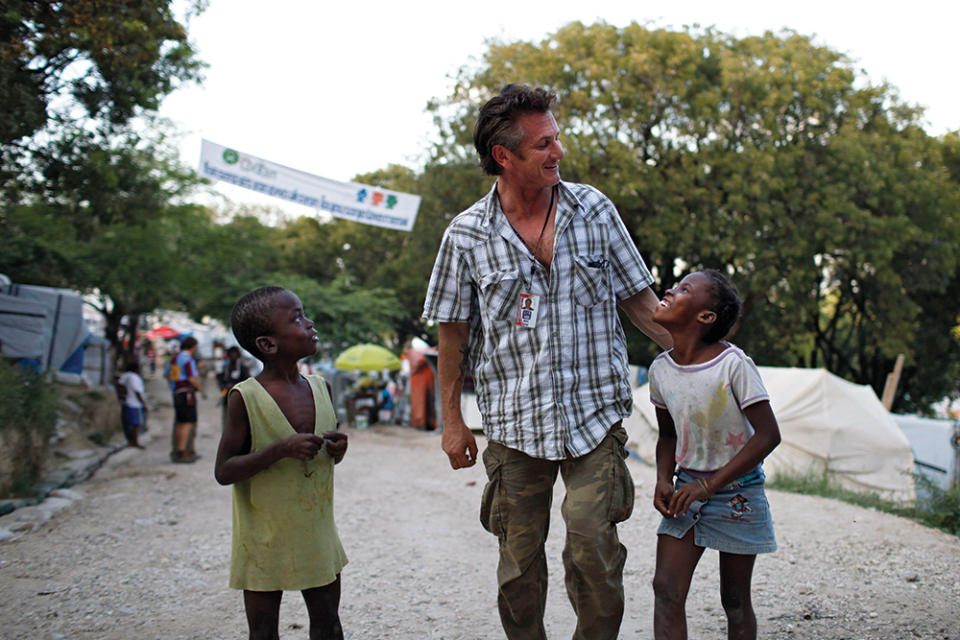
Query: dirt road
x=145, y=554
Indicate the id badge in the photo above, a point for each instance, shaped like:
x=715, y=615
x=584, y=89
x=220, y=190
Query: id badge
x=529, y=306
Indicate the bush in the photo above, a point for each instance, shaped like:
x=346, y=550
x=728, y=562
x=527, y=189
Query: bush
x=935, y=507
x=28, y=417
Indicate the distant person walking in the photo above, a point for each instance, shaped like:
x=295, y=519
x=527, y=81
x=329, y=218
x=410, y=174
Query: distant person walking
x=134, y=410
x=186, y=382
x=234, y=371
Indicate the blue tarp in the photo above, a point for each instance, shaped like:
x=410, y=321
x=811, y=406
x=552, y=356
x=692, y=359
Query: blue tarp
x=43, y=325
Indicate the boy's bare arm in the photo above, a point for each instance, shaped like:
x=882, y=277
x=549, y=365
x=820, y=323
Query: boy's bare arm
x=235, y=462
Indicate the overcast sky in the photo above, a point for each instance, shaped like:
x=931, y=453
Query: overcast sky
x=339, y=88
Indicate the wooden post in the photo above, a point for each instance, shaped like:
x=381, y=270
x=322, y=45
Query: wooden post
x=890, y=387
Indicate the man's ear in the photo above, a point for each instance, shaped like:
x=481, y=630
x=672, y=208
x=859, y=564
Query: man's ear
x=266, y=345
x=501, y=154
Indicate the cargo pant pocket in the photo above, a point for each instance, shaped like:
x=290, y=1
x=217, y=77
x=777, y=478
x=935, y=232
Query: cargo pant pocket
x=491, y=517
x=622, y=489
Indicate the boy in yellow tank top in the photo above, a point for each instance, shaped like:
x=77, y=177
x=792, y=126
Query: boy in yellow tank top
x=278, y=449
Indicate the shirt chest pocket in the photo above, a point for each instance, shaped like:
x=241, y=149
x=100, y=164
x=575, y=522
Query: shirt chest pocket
x=591, y=280
x=499, y=292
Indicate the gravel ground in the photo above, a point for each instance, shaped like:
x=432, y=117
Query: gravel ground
x=141, y=550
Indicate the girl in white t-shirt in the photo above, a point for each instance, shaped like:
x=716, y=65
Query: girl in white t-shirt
x=716, y=427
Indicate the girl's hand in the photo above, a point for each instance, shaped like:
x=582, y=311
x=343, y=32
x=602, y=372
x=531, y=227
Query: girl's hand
x=336, y=444
x=661, y=497
x=686, y=495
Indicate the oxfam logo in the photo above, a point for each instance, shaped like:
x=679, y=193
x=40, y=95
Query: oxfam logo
x=230, y=156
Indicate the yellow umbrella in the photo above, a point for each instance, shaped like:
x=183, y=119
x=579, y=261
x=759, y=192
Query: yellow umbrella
x=367, y=357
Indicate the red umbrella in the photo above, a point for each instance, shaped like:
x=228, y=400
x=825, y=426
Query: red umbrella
x=163, y=331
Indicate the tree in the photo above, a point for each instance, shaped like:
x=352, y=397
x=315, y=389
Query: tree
x=102, y=60
x=105, y=219
x=767, y=157
x=85, y=201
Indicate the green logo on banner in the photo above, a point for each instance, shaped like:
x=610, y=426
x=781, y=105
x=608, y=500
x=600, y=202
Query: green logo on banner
x=230, y=156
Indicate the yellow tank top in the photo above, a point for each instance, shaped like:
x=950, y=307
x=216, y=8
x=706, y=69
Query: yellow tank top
x=284, y=536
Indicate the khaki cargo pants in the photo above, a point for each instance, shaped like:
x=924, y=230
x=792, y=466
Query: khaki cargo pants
x=516, y=508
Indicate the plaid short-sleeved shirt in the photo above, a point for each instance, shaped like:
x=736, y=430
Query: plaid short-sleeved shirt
x=554, y=390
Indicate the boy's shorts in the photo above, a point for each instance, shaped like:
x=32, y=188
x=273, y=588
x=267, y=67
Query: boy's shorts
x=736, y=519
x=185, y=406
x=132, y=416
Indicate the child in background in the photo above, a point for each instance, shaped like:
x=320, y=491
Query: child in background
x=134, y=411
x=278, y=449
x=234, y=371
x=716, y=427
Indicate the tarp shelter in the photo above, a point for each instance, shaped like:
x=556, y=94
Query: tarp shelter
x=22, y=329
x=828, y=426
x=935, y=452
x=43, y=328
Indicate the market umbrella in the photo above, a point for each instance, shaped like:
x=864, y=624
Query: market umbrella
x=367, y=357
x=163, y=331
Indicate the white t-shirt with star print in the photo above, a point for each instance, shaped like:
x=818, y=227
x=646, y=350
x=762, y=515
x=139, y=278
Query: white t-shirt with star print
x=706, y=402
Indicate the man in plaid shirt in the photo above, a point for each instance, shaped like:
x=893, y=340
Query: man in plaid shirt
x=525, y=289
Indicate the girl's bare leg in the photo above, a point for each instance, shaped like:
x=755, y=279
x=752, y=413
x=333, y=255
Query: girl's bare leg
x=676, y=560
x=736, y=574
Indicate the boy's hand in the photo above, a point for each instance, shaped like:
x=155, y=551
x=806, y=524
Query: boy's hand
x=303, y=446
x=336, y=444
x=661, y=498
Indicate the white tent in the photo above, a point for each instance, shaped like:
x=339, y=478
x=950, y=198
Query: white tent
x=828, y=426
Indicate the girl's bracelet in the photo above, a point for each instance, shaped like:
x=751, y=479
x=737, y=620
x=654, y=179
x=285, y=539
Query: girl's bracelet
x=706, y=486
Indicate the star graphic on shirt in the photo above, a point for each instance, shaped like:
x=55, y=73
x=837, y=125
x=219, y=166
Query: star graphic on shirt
x=735, y=440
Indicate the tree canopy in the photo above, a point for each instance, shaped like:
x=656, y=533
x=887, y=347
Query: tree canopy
x=104, y=60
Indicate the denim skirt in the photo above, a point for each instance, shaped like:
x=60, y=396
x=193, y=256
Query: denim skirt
x=736, y=519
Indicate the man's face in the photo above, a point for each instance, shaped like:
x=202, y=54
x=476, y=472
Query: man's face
x=537, y=161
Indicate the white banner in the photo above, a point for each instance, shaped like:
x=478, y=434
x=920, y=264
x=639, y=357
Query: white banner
x=349, y=200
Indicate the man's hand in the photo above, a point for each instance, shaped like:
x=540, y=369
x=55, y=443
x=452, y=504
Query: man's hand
x=459, y=445
x=336, y=445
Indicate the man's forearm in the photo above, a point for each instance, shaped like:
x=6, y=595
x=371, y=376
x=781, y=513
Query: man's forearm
x=452, y=363
x=639, y=308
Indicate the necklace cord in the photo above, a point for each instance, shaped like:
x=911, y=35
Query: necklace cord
x=553, y=195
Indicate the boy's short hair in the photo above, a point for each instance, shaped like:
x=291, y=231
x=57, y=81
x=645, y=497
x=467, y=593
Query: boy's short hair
x=188, y=343
x=726, y=304
x=250, y=318
x=133, y=366
x=234, y=349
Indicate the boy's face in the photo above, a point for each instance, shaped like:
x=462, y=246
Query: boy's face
x=686, y=301
x=292, y=331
